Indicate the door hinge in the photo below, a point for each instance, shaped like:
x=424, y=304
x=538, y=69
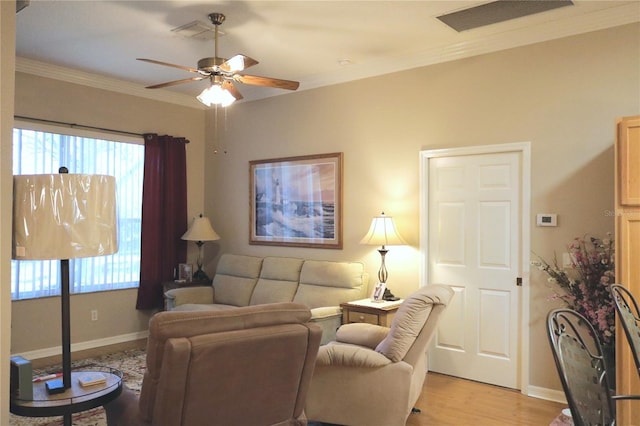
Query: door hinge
x=519, y=281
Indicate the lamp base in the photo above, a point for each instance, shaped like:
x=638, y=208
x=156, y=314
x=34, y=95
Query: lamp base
x=200, y=275
x=388, y=296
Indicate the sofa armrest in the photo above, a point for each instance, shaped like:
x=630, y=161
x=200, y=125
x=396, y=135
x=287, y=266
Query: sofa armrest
x=325, y=312
x=184, y=295
x=337, y=354
x=329, y=318
x=362, y=334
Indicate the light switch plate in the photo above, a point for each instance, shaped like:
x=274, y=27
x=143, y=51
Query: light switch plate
x=547, y=219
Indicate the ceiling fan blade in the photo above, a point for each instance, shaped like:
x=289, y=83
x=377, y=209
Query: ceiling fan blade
x=173, y=83
x=237, y=63
x=266, y=81
x=232, y=89
x=153, y=61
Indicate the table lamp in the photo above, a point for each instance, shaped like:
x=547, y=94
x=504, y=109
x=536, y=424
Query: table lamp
x=200, y=231
x=382, y=232
x=64, y=216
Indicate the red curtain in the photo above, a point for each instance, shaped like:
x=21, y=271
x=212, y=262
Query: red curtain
x=164, y=216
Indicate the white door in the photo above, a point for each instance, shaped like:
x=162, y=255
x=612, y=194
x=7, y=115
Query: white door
x=474, y=245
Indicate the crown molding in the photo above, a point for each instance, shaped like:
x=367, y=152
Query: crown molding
x=552, y=30
x=69, y=75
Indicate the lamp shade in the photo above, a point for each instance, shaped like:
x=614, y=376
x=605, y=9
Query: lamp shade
x=64, y=216
x=200, y=230
x=382, y=232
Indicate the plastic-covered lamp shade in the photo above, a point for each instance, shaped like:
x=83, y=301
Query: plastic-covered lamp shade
x=64, y=216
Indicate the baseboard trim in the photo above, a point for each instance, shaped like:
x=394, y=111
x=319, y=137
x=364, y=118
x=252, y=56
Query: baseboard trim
x=547, y=394
x=81, y=346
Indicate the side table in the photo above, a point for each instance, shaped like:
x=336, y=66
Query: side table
x=365, y=310
x=170, y=285
x=72, y=400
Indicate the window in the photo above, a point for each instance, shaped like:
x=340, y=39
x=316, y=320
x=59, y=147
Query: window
x=45, y=150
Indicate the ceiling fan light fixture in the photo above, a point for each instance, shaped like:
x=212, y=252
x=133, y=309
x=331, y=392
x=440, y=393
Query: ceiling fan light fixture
x=216, y=95
x=221, y=72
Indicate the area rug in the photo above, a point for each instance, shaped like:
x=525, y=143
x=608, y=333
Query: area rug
x=132, y=365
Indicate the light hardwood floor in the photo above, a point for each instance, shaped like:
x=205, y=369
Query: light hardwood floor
x=447, y=400
x=444, y=401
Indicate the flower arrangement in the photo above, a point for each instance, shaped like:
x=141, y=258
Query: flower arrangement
x=586, y=283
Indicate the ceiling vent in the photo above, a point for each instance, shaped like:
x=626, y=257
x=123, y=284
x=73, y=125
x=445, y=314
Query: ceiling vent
x=197, y=29
x=21, y=4
x=498, y=11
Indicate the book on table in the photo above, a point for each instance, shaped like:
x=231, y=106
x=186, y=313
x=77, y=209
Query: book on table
x=92, y=379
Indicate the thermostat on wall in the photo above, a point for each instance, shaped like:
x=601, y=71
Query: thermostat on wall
x=547, y=219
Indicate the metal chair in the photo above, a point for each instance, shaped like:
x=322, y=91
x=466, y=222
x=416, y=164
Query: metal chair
x=629, y=315
x=578, y=356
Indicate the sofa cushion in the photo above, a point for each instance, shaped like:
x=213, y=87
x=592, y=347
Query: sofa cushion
x=278, y=280
x=325, y=283
x=236, y=276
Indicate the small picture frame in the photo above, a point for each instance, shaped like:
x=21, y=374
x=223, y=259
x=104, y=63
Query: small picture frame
x=185, y=272
x=378, y=292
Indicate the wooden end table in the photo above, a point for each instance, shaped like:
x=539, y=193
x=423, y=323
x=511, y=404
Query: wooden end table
x=72, y=400
x=365, y=310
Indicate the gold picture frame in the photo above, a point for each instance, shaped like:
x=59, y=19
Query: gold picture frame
x=296, y=201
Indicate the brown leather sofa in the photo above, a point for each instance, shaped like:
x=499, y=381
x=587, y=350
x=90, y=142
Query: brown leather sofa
x=245, y=366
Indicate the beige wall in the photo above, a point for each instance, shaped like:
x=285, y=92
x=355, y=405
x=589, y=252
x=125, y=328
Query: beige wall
x=563, y=96
x=36, y=323
x=7, y=65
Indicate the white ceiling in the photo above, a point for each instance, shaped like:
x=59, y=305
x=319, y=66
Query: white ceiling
x=97, y=42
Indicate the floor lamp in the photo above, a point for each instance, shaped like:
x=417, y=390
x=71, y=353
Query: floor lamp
x=64, y=216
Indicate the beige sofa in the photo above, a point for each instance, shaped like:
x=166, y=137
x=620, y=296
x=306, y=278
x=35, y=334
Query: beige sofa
x=249, y=280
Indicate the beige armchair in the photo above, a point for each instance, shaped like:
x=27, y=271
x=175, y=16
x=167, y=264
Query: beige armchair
x=245, y=366
x=373, y=375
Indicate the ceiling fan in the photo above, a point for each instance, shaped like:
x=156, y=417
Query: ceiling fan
x=222, y=73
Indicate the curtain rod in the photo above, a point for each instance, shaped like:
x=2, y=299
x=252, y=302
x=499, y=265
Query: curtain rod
x=80, y=126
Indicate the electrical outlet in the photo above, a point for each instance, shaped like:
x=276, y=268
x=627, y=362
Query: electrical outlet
x=94, y=315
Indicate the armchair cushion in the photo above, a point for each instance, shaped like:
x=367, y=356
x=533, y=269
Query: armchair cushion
x=406, y=326
x=345, y=355
x=362, y=334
